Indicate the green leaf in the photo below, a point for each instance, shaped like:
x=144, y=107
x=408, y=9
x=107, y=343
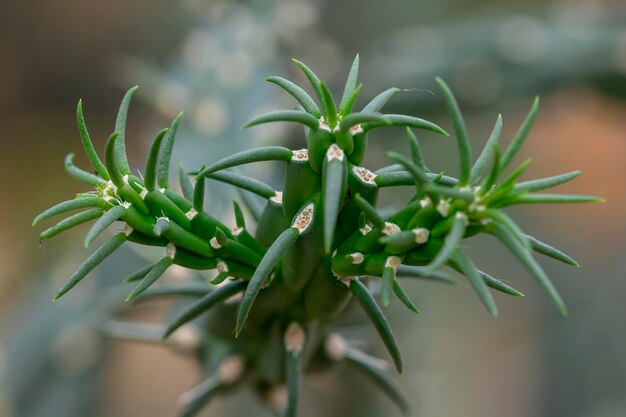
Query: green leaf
x=334, y=177
x=155, y=273
x=416, y=150
x=77, y=203
x=507, y=222
x=421, y=179
x=450, y=244
x=371, y=121
x=79, y=174
x=498, y=285
x=548, y=198
x=548, y=250
x=388, y=279
x=350, y=88
x=198, y=194
x=285, y=116
x=420, y=272
x=404, y=297
x=298, y=93
x=378, y=319
x=529, y=262
x=283, y=242
x=70, y=222
x=120, y=126
x=543, y=183
x=216, y=296
x=240, y=220
x=380, y=100
x=163, y=164
x=313, y=79
x=265, y=153
x=139, y=274
x=244, y=182
x=88, y=145
x=103, y=222
x=520, y=136
x=114, y=166
x=465, y=152
x=371, y=369
x=352, y=100
x=396, y=178
x=328, y=105
x=186, y=289
x=370, y=212
x=478, y=170
x=467, y=267
x=90, y=263
x=150, y=172
x=185, y=182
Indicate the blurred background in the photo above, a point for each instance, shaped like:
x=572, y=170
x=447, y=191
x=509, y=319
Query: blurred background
x=209, y=58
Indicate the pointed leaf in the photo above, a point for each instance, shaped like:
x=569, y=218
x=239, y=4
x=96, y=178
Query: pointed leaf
x=350, y=87
x=451, y=243
x=88, y=145
x=465, y=152
x=70, y=222
x=216, y=296
x=313, y=79
x=79, y=174
x=416, y=150
x=467, y=267
x=186, y=289
x=305, y=100
x=333, y=179
x=155, y=273
x=378, y=319
x=198, y=194
x=194, y=400
x=185, y=183
x=283, y=242
x=139, y=274
x=120, y=126
x=328, y=105
x=370, y=212
x=520, y=136
x=420, y=272
x=112, y=162
x=543, y=183
x=549, y=198
x=548, y=250
x=380, y=100
x=244, y=182
x=150, y=172
x=296, y=116
x=404, y=297
x=498, y=285
x=487, y=153
x=293, y=383
x=163, y=163
x=529, y=262
x=265, y=153
x=94, y=260
x=103, y=222
x=77, y=203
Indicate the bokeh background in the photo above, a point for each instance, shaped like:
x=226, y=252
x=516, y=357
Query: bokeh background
x=209, y=58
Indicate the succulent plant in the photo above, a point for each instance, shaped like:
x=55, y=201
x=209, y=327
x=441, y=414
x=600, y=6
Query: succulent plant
x=317, y=244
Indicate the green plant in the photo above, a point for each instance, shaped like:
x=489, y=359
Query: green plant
x=316, y=242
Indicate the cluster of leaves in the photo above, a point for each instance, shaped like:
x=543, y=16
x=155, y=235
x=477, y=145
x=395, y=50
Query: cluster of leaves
x=316, y=243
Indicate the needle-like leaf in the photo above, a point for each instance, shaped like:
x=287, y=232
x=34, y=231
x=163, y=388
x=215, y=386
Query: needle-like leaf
x=543, y=183
x=88, y=145
x=520, y=136
x=155, y=273
x=163, y=163
x=378, y=319
x=333, y=179
x=120, y=126
x=216, y=296
x=265, y=153
x=70, y=222
x=465, y=152
x=370, y=212
x=420, y=272
x=79, y=174
x=103, y=222
x=404, y=297
x=416, y=150
x=150, y=173
x=478, y=170
x=328, y=106
x=548, y=250
x=90, y=263
x=305, y=100
x=548, y=198
x=296, y=116
x=185, y=182
x=194, y=400
x=498, y=285
x=114, y=166
x=467, y=267
x=244, y=182
x=380, y=100
x=451, y=243
x=527, y=260
x=283, y=242
x=350, y=87
x=77, y=203
x=186, y=289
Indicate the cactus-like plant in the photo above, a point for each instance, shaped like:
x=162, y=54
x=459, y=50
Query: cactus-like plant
x=318, y=242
